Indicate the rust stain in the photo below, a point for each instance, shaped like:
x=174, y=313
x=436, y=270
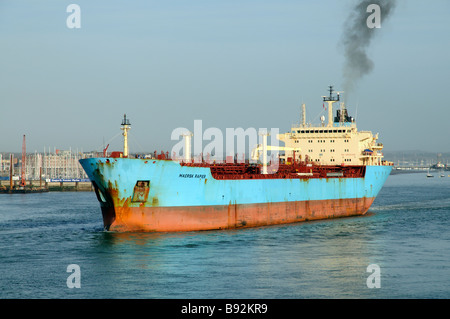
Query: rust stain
x=149, y=216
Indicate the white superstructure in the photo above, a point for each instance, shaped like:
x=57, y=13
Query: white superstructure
x=334, y=143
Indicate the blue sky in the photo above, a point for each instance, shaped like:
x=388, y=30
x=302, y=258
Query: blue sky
x=229, y=63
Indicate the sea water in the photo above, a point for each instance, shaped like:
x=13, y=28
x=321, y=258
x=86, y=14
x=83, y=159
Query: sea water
x=53, y=245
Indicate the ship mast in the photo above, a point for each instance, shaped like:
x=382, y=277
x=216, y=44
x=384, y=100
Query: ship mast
x=125, y=127
x=187, y=146
x=264, y=147
x=303, y=114
x=330, y=100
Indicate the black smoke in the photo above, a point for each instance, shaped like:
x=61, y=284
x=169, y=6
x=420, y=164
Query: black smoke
x=356, y=39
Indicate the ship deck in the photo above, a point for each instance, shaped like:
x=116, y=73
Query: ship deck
x=299, y=170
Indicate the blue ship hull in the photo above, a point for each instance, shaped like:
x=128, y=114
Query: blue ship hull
x=162, y=195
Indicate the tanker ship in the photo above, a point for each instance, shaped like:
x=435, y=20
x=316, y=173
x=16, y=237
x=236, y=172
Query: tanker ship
x=328, y=170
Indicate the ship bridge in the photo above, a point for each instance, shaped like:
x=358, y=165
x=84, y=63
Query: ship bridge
x=333, y=143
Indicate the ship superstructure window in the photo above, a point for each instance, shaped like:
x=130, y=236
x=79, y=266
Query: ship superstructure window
x=140, y=193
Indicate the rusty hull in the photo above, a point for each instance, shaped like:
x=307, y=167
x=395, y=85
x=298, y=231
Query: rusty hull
x=193, y=218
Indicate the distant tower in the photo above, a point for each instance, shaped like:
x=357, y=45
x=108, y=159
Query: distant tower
x=125, y=127
x=24, y=152
x=330, y=100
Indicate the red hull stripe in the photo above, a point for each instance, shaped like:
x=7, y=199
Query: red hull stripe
x=191, y=218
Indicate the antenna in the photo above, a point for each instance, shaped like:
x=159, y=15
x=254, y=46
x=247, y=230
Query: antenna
x=331, y=97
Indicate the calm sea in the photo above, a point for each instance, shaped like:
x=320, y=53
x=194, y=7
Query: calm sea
x=406, y=234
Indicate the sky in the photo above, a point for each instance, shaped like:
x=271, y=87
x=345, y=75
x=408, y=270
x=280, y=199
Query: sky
x=231, y=64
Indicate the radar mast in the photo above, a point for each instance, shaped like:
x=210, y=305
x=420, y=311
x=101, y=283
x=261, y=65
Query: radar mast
x=330, y=100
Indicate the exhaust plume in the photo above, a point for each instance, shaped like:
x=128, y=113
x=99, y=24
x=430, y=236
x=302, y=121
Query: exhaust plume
x=356, y=39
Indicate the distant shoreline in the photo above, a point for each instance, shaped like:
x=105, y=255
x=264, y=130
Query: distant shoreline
x=56, y=186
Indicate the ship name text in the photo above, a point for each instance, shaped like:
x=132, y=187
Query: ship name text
x=192, y=175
